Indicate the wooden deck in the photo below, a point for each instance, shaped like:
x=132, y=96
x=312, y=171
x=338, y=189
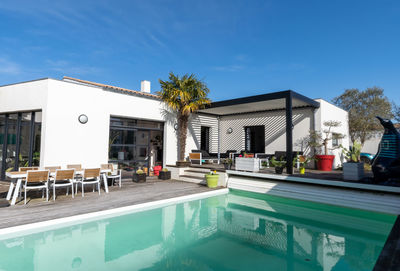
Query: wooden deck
x=37, y=209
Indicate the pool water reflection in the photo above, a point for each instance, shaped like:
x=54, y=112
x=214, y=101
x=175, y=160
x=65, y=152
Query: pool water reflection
x=236, y=231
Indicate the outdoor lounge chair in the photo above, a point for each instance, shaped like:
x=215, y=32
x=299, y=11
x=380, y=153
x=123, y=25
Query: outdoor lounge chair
x=37, y=179
x=90, y=176
x=115, y=174
x=201, y=156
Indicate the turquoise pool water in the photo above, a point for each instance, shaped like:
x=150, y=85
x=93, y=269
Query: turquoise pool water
x=236, y=231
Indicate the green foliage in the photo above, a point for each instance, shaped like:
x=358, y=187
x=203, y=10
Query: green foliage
x=184, y=95
x=396, y=112
x=353, y=155
x=303, y=161
x=363, y=106
x=227, y=161
x=278, y=163
x=317, y=140
x=165, y=169
x=139, y=171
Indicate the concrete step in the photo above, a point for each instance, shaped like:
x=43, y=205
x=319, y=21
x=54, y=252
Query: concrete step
x=192, y=179
x=197, y=174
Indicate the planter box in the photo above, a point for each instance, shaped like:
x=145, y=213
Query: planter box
x=164, y=175
x=139, y=178
x=353, y=171
x=247, y=164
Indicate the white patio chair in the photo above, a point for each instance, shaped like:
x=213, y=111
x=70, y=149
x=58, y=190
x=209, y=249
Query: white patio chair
x=37, y=179
x=63, y=178
x=90, y=176
x=116, y=174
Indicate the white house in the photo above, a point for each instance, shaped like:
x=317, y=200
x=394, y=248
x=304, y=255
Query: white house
x=51, y=122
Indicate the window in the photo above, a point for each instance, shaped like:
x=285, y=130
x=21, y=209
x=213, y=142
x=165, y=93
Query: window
x=19, y=140
x=135, y=143
x=335, y=140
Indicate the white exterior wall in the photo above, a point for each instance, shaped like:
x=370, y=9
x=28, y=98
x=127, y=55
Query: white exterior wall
x=326, y=112
x=194, y=132
x=65, y=140
x=275, y=129
x=371, y=145
x=27, y=96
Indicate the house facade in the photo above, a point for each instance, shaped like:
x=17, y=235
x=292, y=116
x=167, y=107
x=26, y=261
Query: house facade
x=48, y=122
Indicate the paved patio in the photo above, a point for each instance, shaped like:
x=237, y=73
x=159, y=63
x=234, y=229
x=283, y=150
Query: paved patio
x=37, y=209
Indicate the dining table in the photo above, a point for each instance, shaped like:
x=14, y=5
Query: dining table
x=16, y=178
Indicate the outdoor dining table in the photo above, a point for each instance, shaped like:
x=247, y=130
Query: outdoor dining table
x=17, y=177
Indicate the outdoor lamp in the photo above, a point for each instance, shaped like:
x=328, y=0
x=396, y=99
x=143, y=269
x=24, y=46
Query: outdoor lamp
x=83, y=119
x=176, y=126
x=229, y=131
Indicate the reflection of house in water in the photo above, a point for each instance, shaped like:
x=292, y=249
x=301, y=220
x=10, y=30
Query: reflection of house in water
x=225, y=232
x=300, y=237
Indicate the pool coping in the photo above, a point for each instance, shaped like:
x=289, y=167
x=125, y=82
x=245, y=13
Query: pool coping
x=389, y=258
x=338, y=184
x=31, y=228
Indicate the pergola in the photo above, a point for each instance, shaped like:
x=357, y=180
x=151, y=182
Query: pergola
x=283, y=100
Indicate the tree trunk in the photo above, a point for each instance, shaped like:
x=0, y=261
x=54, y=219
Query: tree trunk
x=182, y=133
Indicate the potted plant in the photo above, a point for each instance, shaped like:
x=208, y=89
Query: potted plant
x=320, y=140
x=303, y=162
x=212, y=179
x=164, y=174
x=353, y=170
x=227, y=163
x=139, y=176
x=278, y=164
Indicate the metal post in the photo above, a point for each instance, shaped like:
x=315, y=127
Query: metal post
x=18, y=142
x=31, y=139
x=289, y=134
x=219, y=140
x=5, y=139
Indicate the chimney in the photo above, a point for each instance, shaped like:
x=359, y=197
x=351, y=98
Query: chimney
x=145, y=86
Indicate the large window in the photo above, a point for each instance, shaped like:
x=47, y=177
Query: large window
x=19, y=140
x=135, y=143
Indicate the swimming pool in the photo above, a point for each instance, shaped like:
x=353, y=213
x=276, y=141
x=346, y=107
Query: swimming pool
x=234, y=231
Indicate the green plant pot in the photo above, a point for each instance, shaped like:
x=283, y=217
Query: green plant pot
x=212, y=180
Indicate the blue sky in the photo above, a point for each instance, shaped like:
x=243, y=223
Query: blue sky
x=239, y=48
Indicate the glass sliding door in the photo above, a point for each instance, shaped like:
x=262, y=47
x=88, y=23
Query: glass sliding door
x=2, y=137
x=19, y=140
x=11, y=150
x=135, y=143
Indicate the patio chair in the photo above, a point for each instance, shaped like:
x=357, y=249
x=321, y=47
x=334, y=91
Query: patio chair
x=201, y=156
x=52, y=168
x=115, y=174
x=24, y=169
x=37, y=179
x=63, y=178
x=75, y=166
x=90, y=176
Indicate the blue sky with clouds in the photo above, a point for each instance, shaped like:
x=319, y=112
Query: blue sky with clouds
x=240, y=48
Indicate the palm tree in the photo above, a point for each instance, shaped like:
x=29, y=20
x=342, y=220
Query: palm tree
x=184, y=95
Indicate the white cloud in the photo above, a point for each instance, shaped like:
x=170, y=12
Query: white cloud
x=229, y=68
x=67, y=68
x=9, y=67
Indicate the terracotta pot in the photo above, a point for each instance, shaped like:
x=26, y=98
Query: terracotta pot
x=325, y=162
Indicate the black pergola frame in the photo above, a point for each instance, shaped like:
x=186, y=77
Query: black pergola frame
x=288, y=95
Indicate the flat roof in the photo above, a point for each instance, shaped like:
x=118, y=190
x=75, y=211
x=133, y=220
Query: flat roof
x=263, y=102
